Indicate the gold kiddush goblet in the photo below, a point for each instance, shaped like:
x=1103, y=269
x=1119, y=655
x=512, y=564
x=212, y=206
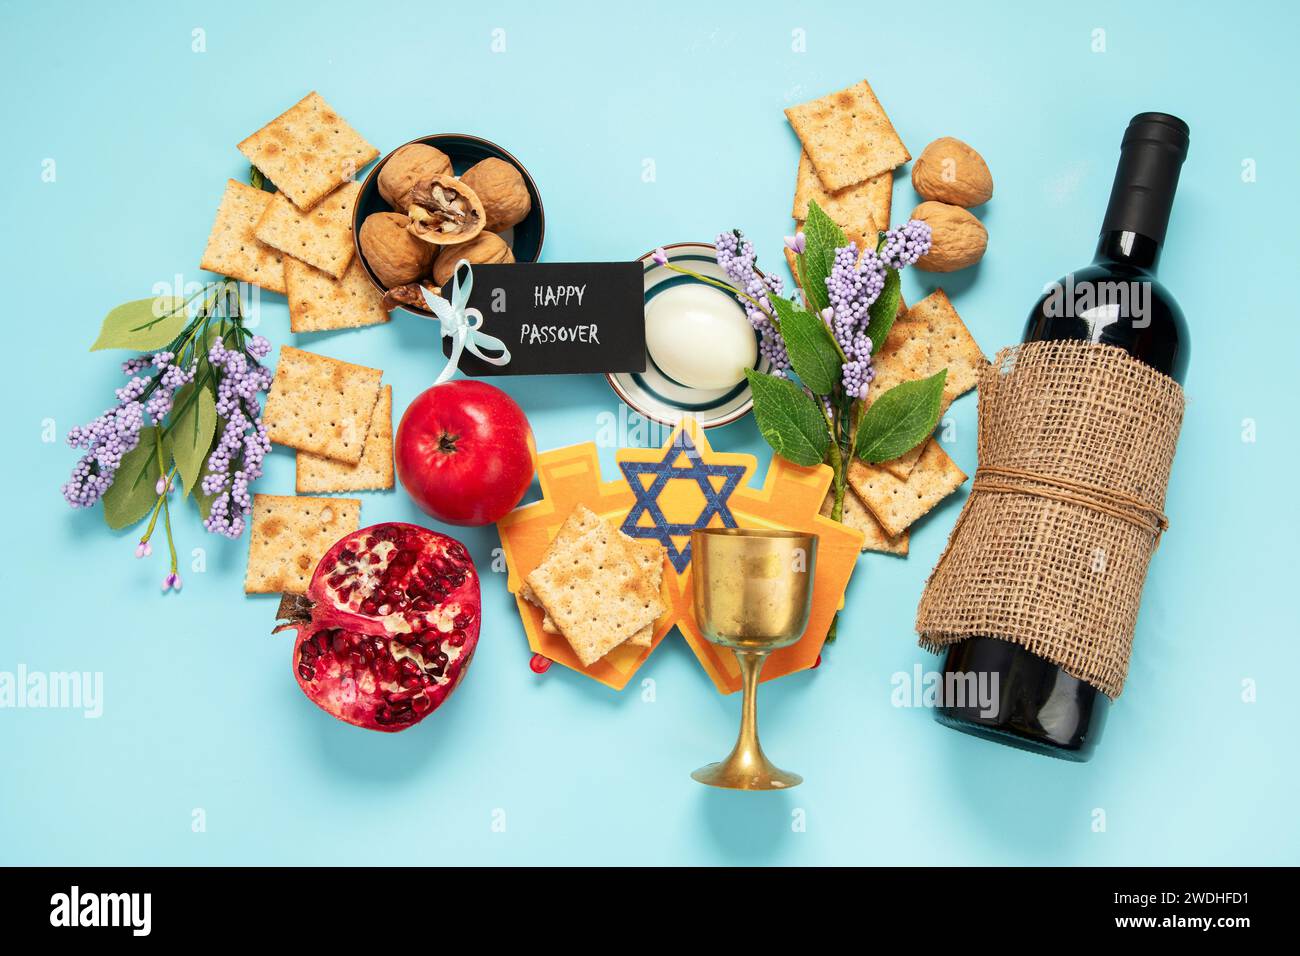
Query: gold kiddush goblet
x=753, y=592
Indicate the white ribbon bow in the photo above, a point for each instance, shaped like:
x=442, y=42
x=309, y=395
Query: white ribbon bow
x=463, y=324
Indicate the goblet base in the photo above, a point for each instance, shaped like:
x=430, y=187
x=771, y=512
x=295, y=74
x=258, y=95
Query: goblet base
x=746, y=771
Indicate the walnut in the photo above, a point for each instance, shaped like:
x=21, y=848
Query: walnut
x=957, y=238
x=503, y=193
x=950, y=171
x=444, y=211
x=412, y=164
x=391, y=251
x=484, y=249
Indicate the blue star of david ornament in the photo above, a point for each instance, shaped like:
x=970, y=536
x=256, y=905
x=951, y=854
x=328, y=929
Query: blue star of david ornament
x=716, y=501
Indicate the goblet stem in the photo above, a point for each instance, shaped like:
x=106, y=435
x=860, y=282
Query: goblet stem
x=747, y=767
x=747, y=748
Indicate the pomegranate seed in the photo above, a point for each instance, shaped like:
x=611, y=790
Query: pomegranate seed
x=420, y=703
x=345, y=595
x=398, y=696
x=383, y=716
x=307, y=651
x=369, y=542
x=306, y=672
x=411, y=682
x=321, y=642
x=426, y=680
x=348, y=554
x=457, y=638
x=539, y=664
x=357, y=659
x=405, y=716
x=409, y=667
x=387, y=669
x=430, y=643
x=384, y=609
x=339, y=643
x=457, y=580
x=407, y=639
x=372, y=558
x=369, y=605
x=464, y=619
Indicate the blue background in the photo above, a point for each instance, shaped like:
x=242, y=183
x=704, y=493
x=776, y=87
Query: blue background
x=200, y=709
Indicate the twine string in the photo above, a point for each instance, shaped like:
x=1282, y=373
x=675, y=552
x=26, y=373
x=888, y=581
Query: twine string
x=1106, y=501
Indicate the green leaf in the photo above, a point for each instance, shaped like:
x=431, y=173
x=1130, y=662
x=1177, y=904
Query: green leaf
x=884, y=311
x=823, y=237
x=900, y=419
x=190, y=432
x=813, y=353
x=143, y=325
x=788, y=419
x=134, y=490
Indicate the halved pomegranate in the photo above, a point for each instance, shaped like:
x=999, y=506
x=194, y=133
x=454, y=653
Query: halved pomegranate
x=389, y=626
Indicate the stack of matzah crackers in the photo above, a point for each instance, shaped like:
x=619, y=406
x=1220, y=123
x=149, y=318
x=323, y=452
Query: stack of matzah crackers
x=298, y=240
x=850, y=151
x=340, y=419
x=885, y=499
x=597, y=587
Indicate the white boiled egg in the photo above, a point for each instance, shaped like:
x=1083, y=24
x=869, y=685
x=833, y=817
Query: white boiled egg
x=699, y=336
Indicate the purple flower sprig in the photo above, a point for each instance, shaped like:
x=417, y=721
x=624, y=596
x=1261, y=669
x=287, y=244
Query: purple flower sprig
x=214, y=351
x=237, y=459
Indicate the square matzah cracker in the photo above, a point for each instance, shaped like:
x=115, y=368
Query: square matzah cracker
x=857, y=516
x=318, y=303
x=649, y=556
x=951, y=345
x=289, y=537
x=372, y=473
x=593, y=589
x=320, y=404
x=233, y=250
x=320, y=238
x=862, y=207
x=847, y=136
x=307, y=151
x=896, y=504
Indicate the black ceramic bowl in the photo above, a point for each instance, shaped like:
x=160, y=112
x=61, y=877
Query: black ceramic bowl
x=463, y=151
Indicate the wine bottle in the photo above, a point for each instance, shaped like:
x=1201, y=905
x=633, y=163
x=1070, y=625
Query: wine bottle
x=1116, y=300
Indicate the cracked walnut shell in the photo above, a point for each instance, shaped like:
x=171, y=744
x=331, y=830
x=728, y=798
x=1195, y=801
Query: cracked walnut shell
x=501, y=189
x=410, y=165
x=395, y=256
x=444, y=212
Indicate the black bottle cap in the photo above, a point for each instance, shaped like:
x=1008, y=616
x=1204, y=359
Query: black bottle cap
x=1150, y=158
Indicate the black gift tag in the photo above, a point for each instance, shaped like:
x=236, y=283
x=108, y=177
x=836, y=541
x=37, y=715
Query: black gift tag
x=560, y=317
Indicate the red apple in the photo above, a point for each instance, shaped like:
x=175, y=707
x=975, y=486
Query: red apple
x=465, y=452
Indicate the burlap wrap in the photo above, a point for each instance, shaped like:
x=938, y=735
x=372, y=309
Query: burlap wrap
x=1051, y=550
